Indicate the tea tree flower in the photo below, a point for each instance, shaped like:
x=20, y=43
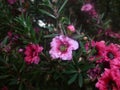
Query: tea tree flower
x=109, y=80
x=112, y=52
x=62, y=47
x=32, y=52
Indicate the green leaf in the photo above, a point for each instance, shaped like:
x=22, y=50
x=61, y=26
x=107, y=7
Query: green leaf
x=4, y=76
x=51, y=35
x=5, y=40
x=13, y=82
x=20, y=86
x=70, y=72
x=71, y=80
x=47, y=13
x=22, y=67
x=59, y=11
x=82, y=47
x=80, y=80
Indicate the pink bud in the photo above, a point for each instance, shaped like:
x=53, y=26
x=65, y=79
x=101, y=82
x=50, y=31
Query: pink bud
x=20, y=50
x=86, y=7
x=71, y=28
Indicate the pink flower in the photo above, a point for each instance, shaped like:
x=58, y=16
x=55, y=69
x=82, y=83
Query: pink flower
x=112, y=52
x=115, y=63
x=99, y=51
x=62, y=46
x=109, y=80
x=32, y=53
x=71, y=28
x=11, y=1
x=20, y=50
x=86, y=7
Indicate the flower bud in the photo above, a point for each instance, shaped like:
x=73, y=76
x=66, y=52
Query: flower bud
x=85, y=38
x=71, y=28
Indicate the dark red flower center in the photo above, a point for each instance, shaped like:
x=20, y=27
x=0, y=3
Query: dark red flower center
x=110, y=55
x=111, y=85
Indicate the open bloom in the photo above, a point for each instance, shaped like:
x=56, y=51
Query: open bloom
x=109, y=80
x=32, y=53
x=112, y=52
x=99, y=51
x=62, y=46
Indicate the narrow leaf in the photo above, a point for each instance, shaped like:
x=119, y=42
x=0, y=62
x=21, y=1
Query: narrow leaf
x=47, y=13
x=74, y=77
x=62, y=6
x=80, y=80
x=3, y=77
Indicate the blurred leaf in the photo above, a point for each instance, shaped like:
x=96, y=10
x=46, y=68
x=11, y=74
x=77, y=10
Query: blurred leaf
x=47, y=13
x=78, y=36
x=4, y=42
x=70, y=72
x=82, y=47
x=50, y=36
x=4, y=76
x=63, y=5
x=13, y=82
x=20, y=86
x=80, y=80
x=22, y=67
x=72, y=79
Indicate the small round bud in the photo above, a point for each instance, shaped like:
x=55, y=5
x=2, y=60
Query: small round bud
x=71, y=28
x=85, y=38
x=80, y=59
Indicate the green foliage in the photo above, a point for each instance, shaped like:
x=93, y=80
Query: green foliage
x=50, y=74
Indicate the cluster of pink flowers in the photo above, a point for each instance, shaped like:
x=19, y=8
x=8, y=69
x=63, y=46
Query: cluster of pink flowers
x=109, y=54
x=104, y=52
x=32, y=52
x=89, y=8
x=109, y=79
x=61, y=47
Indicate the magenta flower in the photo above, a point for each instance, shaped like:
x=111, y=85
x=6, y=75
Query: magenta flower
x=86, y=7
x=11, y=1
x=71, y=28
x=99, y=51
x=32, y=53
x=62, y=46
x=115, y=63
x=112, y=52
x=109, y=80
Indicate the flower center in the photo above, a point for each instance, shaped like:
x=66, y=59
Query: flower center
x=111, y=85
x=110, y=55
x=63, y=48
